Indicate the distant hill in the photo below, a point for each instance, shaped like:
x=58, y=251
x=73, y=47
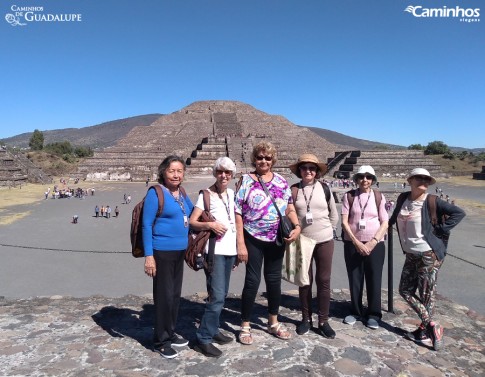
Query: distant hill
x=359, y=144
x=107, y=134
x=99, y=136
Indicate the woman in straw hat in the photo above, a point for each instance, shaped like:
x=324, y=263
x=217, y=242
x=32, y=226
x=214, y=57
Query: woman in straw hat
x=423, y=223
x=317, y=213
x=364, y=222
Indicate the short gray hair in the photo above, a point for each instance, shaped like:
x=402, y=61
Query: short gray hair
x=224, y=163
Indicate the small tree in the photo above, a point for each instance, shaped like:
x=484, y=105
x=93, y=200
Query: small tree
x=36, y=142
x=436, y=147
x=83, y=152
x=59, y=148
x=416, y=147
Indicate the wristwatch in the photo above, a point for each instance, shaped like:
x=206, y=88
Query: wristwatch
x=297, y=225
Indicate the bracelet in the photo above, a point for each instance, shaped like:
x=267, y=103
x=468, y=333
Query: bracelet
x=375, y=239
x=297, y=225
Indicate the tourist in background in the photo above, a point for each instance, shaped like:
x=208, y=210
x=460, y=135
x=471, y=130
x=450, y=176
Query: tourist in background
x=424, y=245
x=224, y=258
x=165, y=240
x=318, y=219
x=257, y=224
x=364, y=222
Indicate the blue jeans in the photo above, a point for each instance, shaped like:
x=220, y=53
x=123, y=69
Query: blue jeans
x=217, y=287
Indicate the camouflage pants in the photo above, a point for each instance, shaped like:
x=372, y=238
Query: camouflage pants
x=420, y=273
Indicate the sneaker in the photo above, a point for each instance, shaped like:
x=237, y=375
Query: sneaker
x=178, y=341
x=372, y=324
x=419, y=336
x=350, y=320
x=166, y=352
x=208, y=350
x=220, y=338
x=303, y=327
x=435, y=332
x=326, y=331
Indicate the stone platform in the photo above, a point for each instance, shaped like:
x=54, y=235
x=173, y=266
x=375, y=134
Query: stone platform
x=99, y=336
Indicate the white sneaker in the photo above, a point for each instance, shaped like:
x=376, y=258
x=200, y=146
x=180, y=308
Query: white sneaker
x=350, y=320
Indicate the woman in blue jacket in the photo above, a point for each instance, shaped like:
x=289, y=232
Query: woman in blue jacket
x=423, y=222
x=165, y=240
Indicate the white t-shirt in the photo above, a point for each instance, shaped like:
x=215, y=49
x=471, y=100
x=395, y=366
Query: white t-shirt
x=409, y=224
x=225, y=245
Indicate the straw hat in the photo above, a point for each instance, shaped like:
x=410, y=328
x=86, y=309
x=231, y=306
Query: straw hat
x=421, y=171
x=365, y=169
x=308, y=158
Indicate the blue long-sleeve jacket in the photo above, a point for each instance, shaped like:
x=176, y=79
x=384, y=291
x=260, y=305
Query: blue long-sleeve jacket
x=168, y=233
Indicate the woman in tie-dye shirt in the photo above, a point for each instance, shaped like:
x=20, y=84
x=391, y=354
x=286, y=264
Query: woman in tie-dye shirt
x=257, y=225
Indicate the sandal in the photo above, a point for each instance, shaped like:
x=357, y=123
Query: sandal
x=279, y=330
x=245, y=336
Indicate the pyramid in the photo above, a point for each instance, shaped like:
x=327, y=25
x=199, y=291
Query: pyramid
x=200, y=133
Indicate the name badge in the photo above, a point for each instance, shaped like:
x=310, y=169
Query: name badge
x=186, y=221
x=362, y=224
x=309, y=218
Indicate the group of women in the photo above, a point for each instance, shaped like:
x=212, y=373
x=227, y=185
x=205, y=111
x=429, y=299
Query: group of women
x=246, y=229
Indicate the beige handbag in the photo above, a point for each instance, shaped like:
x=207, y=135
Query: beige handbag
x=297, y=261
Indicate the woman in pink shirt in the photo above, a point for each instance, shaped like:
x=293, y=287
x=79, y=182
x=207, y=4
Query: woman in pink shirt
x=364, y=222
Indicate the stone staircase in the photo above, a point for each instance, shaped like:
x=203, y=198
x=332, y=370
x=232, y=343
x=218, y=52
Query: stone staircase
x=481, y=175
x=389, y=163
x=15, y=169
x=202, y=159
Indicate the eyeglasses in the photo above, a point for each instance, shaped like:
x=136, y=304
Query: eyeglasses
x=366, y=176
x=424, y=178
x=226, y=172
x=266, y=158
x=311, y=168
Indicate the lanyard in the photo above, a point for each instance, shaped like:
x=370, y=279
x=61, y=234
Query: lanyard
x=307, y=201
x=226, y=206
x=360, y=204
x=180, y=202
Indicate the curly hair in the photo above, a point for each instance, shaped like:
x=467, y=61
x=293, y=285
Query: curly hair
x=166, y=164
x=266, y=147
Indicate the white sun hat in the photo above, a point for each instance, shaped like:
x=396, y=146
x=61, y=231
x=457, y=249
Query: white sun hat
x=365, y=169
x=421, y=171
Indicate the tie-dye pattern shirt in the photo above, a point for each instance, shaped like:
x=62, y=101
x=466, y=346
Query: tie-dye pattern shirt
x=260, y=217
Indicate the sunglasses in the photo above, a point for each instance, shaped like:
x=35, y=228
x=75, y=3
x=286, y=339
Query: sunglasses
x=266, y=158
x=226, y=172
x=424, y=178
x=366, y=176
x=311, y=168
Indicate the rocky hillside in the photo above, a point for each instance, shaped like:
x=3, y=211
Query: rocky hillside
x=99, y=136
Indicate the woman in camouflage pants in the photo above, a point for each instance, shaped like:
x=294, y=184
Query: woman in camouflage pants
x=423, y=223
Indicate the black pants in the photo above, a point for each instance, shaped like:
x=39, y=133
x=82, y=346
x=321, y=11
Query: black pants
x=368, y=267
x=273, y=260
x=167, y=288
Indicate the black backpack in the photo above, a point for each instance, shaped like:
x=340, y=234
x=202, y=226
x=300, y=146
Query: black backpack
x=351, y=196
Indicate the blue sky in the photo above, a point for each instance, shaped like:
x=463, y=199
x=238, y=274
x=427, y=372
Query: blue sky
x=367, y=69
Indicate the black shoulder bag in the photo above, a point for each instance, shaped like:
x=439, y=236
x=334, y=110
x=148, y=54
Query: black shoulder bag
x=285, y=226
